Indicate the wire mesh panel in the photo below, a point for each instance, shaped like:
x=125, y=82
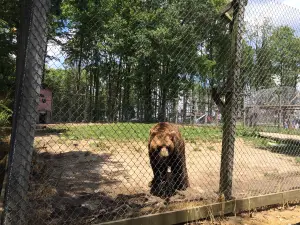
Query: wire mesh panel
x=152, y=106
x=30, y=64
x=267, y=152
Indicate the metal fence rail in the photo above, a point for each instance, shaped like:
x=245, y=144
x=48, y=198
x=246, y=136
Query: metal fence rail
x=134, y=108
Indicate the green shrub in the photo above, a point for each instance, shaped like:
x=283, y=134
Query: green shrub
x=5, y=114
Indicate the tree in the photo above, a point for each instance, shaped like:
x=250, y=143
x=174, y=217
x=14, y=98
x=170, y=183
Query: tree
x=9, y=24
x=285, y=55
x=140, y=58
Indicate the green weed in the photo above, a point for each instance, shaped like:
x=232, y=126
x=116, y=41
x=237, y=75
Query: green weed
x=297, y=159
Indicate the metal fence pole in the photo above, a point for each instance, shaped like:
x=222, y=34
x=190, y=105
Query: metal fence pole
x=32, y=43
x=229, y=127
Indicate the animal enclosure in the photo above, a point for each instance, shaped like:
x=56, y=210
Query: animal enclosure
x=225, y=73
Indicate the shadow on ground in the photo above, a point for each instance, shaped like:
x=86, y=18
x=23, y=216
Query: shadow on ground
x=46, y=131
x=285, y=147
x=66, y=189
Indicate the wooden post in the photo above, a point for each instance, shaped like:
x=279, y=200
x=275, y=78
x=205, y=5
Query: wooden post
x=32, y=43
x=279, y=112
x=230, y=110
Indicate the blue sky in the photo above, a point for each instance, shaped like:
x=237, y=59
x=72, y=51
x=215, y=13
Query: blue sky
x=56, y=52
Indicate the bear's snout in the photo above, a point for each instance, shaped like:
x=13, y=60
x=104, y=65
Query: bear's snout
x=164, y=152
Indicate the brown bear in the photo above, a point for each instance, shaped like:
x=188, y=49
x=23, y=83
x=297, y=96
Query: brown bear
x=167, y=150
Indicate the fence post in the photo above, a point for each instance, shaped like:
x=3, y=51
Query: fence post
x=231, y=100
x=32, y=43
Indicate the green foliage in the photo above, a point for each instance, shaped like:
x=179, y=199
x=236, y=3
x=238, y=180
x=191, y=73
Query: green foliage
x=135, y=59
x=8, y=28
x=285, y=48
x=273, y=58
x=257, y=60
x=130, y=50
x=5, y=114
x=251, y=135
x=247, y=131
x=132, y=59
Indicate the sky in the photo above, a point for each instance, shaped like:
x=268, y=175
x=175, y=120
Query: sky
x=280, y=12
x=293, y=3
x=57, y=56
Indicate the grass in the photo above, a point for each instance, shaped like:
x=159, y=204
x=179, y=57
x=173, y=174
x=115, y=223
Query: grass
x=98, y=145
x=135, y=131
x=297, y=159
x=257, y=142
x=111, y=132
x=211, y=148
x=126, y=132
x=197, y=149
x=251, y=131
x=274, y=129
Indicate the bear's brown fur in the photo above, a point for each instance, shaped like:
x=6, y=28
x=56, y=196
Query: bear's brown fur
x=167, y=149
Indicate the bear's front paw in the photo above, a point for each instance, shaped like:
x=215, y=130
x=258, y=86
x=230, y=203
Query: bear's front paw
x=150, y=183
x=181, y=184
x=162, y=189
x=182, y=187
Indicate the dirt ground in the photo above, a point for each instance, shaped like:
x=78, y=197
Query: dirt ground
x=92, y=181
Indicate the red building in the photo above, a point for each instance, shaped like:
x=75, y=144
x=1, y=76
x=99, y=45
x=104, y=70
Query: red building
x=45, y=106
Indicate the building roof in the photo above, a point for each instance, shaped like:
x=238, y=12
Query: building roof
x=273, y=97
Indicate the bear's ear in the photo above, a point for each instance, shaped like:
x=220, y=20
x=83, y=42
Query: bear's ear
x=153, y=132
x=173, y=135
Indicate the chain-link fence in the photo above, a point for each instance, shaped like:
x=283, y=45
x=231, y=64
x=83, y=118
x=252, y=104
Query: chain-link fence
x=131, y=108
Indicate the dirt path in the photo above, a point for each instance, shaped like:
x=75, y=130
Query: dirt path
x=91, y=181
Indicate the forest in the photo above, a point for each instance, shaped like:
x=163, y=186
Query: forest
x=146, y=60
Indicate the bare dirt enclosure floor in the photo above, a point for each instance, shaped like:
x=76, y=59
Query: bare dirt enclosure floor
x=91, y=181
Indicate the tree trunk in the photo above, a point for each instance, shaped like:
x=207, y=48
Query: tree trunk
x=96, y=81
x=228, y=141
x=148, y=98
x=139, y=107
x=163, y=88
x=156, y=99
x=91, y=96
x=118, y=93
x=162, y=108
x=79, y=63
x=109, y=112
x=86, y=102
x=175, y=110
x=126, y=95
x=193, y=113
x=185, y=103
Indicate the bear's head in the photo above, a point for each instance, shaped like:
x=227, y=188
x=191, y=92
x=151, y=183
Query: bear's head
x=162, y=145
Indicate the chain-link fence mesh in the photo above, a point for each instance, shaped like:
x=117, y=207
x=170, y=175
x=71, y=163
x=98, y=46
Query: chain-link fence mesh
x=86, y=143
x=29, y=68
